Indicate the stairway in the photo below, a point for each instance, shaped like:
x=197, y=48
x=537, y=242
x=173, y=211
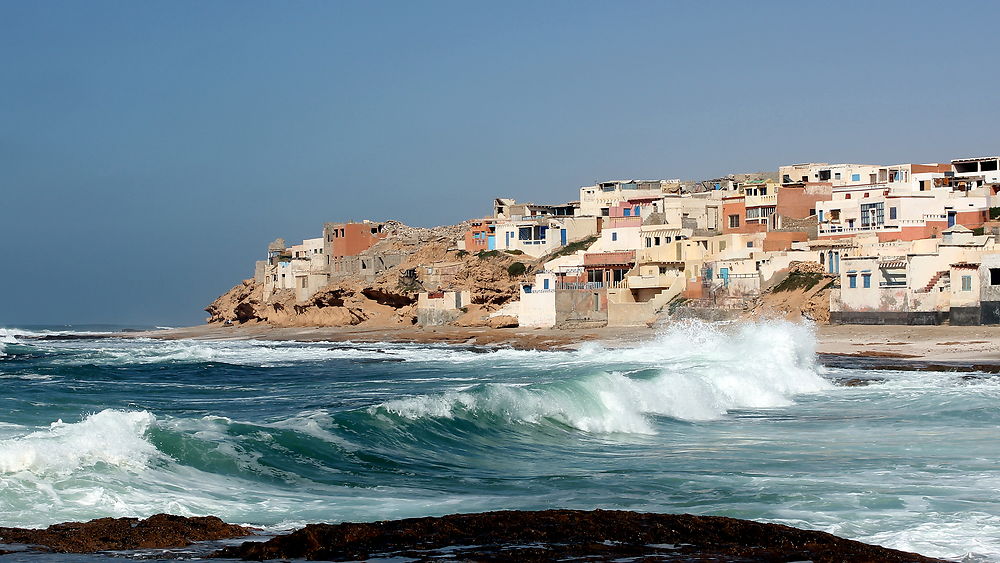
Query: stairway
x=930, y=285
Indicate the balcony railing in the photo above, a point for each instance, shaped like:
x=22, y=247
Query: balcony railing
x=758, y=200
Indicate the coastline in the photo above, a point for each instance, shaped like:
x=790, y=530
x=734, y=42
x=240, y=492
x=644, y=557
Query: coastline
x=935, y=343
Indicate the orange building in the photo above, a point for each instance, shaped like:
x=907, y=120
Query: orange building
x=480, y=235
x=351, y=239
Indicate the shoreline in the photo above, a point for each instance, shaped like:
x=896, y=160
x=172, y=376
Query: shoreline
x=936, y=343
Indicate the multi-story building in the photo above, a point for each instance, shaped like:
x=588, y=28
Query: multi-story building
x=481, y=235
x=953, y=278
x=540, y=235
x=597, y=200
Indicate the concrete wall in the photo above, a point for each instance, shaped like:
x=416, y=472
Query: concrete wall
x=441, y=307
x=578, y=306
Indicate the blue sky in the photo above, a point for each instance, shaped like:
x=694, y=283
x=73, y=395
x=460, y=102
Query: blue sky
x=150, y=150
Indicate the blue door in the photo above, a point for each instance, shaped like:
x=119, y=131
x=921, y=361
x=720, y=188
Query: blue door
x=724, y=274
x=951, y=218
x=562, y=236
x=491, y=242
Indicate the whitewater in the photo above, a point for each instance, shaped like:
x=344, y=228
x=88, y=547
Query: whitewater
x=736, y=420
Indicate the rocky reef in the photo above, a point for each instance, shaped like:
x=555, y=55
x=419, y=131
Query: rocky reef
x=548, y=535
x=161, y=531
x=552, y=535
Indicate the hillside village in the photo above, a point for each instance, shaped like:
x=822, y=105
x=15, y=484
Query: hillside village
x=838, y=243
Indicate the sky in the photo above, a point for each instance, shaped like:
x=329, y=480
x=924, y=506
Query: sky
x=149, y=151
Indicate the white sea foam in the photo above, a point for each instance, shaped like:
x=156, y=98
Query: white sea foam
x=6, y=337
x=700, y=372
x=971, y=536
x=111, y=437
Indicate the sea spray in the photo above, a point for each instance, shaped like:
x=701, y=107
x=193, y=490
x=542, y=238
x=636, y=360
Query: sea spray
x=110, y=437
x=700, y=372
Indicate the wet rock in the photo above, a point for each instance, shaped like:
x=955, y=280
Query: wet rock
x=161, y=531
x=565, y=534
x=858, y=382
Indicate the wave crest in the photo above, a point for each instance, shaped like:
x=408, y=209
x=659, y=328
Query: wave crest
x=111, y=437
x=693, y=371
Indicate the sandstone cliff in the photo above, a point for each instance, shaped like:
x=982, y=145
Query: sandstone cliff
x=390, y=298
x=804, y=293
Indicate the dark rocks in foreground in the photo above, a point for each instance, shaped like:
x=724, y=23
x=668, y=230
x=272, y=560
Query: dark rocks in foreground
x=161, y=531
x=565, y=534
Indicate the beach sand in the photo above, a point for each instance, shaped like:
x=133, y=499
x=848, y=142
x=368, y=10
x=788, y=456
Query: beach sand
x=962, y=344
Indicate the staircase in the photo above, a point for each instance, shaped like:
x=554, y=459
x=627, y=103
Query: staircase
x=661, y=299
x=934, y=279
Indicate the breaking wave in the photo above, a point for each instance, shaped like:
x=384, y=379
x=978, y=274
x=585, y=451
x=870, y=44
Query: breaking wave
x=693, y=371
x=110, y=437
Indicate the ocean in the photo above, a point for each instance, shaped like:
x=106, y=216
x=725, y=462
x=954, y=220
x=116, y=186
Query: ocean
x=739, y=420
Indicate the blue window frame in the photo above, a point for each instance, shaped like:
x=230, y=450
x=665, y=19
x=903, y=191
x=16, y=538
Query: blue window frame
x=614, y=236
x=545, y=284
x=866, y=280
x=852, y=280
x=855, y=177
x=628, y=212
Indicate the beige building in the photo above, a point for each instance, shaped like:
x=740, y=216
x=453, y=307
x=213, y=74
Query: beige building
x=916, y=282
x=597, y=200
x=540, y=235
x=835, y=174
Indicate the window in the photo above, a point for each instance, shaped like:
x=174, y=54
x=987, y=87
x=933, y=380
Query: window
x=605, y=212
x=855, y=177
x=892, y=212
x=836, y=175
x=966, y=283
x=820, y=215
x=866, y=280
x=994, y=276
x=628, y=213
x=545, y=283
x=524, y=233
x=750, y=244
x=872, y=214
x=734, y=221
x=635, y=211
x=649, y=242
x=847, y=196
x=866, y=194
x=656, y=241
x=614, y=236
x=304, y=282
x=852, y=280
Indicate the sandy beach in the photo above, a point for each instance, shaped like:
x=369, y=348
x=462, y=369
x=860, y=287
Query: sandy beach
x=964, y=344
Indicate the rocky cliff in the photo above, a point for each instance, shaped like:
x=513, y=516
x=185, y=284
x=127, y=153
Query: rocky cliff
x=390, y=298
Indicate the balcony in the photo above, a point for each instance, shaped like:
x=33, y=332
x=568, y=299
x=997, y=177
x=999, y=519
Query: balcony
x=650, y=282
x=759, y=200
x=625, y=257
x=620, y=222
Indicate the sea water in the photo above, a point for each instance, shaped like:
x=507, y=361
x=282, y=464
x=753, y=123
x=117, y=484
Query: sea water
x=736, y=420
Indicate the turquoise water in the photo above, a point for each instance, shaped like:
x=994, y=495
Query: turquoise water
x=734, y=420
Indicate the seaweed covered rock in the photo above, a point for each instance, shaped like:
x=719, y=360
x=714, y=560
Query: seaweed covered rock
x=553, y=535
x=160, y=531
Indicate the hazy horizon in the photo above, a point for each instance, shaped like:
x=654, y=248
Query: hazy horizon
x=150, y=151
